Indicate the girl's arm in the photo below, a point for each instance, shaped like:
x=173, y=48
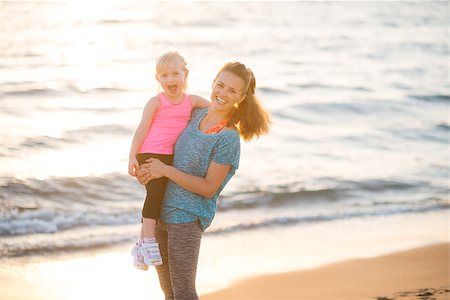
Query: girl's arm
x=198, y=101
x=140, y=134
x=205, y=186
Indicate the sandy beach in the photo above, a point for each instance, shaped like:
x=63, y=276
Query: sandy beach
x=358, y=259
x=421, y=273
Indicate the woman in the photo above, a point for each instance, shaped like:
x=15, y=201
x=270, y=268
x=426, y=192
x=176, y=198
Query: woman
x=206, y=157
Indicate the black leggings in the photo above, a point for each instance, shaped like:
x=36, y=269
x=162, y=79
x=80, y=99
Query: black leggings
x=155, y=188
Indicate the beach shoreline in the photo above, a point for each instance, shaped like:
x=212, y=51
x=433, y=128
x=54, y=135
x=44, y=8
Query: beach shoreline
x=417, y=273
x=420, y=273
x=302, y=252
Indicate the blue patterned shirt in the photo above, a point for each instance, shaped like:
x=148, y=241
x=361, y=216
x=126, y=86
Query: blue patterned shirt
x=194, y=151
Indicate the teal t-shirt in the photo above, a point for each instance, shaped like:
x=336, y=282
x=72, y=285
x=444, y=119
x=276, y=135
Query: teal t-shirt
x=194, y=150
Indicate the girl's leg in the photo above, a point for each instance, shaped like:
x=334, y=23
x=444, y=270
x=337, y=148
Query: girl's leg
x=146, y=251
x=164, y=270
x=148, y=228
x=156, y=189
x=150, y=213
x=141, y=234
x=183, y=251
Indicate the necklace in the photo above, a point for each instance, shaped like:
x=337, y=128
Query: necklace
x=218, y=127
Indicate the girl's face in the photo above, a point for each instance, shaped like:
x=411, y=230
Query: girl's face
x=172, y=79
x=228, y=90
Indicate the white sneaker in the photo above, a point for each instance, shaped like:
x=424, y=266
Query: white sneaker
x=150, y=252
x=138, y=261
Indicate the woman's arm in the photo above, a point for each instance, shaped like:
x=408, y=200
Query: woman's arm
x=205, y=186
x=140, y=133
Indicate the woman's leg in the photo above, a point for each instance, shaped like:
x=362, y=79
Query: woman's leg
x=183, y=251
x=163, y=270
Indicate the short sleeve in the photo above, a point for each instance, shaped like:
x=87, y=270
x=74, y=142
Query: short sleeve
x=227, y=151
x=198, y=113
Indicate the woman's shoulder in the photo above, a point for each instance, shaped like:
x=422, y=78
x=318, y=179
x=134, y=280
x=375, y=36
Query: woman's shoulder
x=230, y=137
x=198, y=112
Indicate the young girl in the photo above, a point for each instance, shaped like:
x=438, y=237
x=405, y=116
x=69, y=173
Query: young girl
x=164, y=118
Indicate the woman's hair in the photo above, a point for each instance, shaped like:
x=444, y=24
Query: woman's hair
x=249, y=116
x=169, y=58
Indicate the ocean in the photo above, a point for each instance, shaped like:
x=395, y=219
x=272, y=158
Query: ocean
x=358, y=93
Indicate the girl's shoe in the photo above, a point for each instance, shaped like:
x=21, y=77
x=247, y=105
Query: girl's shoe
x=138, y=260
x=150, y=252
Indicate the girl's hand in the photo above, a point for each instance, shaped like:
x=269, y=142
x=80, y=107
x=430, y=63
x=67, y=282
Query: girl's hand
x=143, y=174
x=157, y=168
x=133, y=166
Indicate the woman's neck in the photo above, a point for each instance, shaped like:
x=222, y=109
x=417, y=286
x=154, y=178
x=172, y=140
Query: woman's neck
x=214, y=116
x=212, y=119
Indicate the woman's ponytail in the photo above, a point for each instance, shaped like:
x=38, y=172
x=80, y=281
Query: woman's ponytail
x=248, y=116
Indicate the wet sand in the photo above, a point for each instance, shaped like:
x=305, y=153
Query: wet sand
x=421, y=273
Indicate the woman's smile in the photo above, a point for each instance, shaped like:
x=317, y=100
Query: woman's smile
x=221, y=101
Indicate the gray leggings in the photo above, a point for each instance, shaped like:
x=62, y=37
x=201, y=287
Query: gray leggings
x=179, y=245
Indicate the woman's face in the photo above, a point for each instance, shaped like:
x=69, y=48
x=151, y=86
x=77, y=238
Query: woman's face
x=228, y=89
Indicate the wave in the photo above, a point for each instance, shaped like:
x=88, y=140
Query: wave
x=443, y=126
x=52, y=220
x=113, y=187
x=62, y=203
x=382, y=185
x=341, y=191
x=96, y=237
x=328, y=86
x=70, y=137
x=31, y=92
x=39, y=89
x=312, y=113
x=436, y=134
x=432, y=98
x=268, y=90
x=100, y=236
x=340, y=108
x=55, y=204
x=270, y=199
x=286, y=221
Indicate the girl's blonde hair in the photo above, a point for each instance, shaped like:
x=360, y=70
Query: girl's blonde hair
x=172, y=57
x=248, y=116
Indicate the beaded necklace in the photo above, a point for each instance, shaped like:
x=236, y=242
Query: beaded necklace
x=218, y=127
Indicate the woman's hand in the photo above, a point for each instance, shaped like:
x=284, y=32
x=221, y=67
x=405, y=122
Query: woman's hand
x=152, y=169
x=157, y=168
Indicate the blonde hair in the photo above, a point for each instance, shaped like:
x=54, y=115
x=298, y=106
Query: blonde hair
x=172, y=57
x=248, y=116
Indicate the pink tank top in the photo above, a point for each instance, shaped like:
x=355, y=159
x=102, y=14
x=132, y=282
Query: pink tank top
x=167, y=124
